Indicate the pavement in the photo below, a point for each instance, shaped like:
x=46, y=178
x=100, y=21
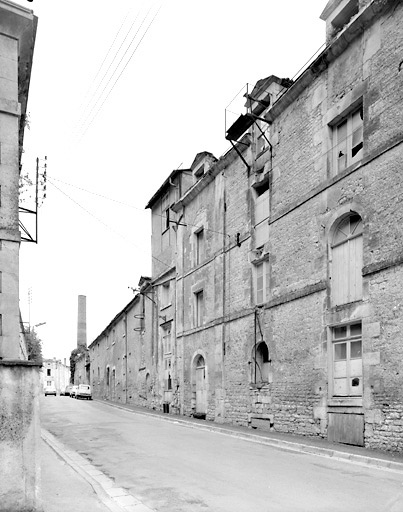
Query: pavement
x=71, y=483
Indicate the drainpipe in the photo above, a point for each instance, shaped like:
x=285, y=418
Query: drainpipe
x=224, y=295
x=125, y=320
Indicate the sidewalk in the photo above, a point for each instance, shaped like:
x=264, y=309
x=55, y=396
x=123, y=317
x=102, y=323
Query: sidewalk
x=70, y=483
x=63, y=489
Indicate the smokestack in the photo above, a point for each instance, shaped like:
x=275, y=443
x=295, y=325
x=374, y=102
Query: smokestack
x=82, y=322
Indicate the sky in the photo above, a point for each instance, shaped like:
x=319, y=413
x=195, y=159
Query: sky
x=121, y=94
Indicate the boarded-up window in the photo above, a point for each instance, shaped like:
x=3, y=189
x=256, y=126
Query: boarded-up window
x=165, y=294
x=262, y=209
x=199, y=246
x=199, y=308
x=262, y=282
x=346, y=276
x=347, y=360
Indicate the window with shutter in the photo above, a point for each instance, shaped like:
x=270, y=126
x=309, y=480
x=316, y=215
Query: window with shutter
x=262, y=209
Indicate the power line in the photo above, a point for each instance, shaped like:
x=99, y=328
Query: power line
x=103, y=62
x=135, y=207
x=120, y=74
x=87, y=116
x=104, y=224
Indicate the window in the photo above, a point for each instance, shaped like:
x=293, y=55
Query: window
x=166, y=341
x=48, y=382
x=347, y=360
x=199, y=308
x=346, y=254
x=167, y=351
x=348, y=140
x=165, y=294
x=107, y=375
x=262, y=281
x=98, y=373
x=260, y=363
x=262, y=204
x=261, y=138
x=48, y=372
x=199, y=246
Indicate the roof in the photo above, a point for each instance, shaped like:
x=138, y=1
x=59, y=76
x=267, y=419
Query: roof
x=142, y=282
x=164, y=186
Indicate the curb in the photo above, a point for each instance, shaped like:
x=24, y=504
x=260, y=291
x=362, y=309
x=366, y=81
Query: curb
x=362, y=460
x=116, y=499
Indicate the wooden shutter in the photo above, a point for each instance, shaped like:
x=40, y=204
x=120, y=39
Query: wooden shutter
x=355, y=269
x=262, y=210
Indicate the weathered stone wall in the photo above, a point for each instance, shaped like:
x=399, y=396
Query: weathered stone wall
x=128, y=351
x=19, y=437
x=307, y=197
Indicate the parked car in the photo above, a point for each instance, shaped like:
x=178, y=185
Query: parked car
x=67, y=390
x=84, y=391
x=50, y=390
x=73, y=391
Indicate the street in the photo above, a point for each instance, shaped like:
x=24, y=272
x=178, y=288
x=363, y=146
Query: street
x=171, y=468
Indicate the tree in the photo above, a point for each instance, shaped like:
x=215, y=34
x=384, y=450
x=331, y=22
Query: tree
x=75, y=354
x=34, y=345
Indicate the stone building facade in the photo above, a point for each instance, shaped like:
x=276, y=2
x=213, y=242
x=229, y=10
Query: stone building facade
x=19, y=378
x=55, y=373
x=277, y=268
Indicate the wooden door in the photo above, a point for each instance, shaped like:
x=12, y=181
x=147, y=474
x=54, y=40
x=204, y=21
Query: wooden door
x=201, y=388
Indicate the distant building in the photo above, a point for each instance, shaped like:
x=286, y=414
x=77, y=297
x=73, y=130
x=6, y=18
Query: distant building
x=55, y=373
x=19, y=378
x=276, y=295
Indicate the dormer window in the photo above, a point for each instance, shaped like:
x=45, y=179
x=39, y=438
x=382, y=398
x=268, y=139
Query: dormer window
x=344, y=16
x=337, y=14
x=199, y=170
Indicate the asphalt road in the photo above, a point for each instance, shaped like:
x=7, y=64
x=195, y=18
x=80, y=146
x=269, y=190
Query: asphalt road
x=173, y=468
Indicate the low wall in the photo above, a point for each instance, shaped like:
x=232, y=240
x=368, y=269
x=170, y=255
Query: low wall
x=19, y=437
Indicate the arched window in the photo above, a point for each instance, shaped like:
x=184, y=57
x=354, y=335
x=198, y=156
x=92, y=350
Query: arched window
x=260, y=364
x=346, y=261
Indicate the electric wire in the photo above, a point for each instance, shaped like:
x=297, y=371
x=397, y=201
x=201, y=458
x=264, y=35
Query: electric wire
x=134, y=207
x=122, y=71
x=88, y=116
x=100, y=68
x=104, y=224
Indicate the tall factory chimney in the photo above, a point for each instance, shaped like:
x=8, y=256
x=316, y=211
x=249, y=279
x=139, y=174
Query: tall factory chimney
x=82, y=322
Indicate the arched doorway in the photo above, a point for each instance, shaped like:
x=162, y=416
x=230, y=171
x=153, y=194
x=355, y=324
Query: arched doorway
x=201, y=387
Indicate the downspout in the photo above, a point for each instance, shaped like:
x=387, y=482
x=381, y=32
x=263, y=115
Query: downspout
x=224, y=295
x=254, y=351
x=125, y=319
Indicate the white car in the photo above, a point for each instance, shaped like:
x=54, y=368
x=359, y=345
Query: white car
x=50, y=390
x=73, y=392
x=83, y=391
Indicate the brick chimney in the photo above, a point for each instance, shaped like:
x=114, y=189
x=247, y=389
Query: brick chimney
x=82, y=322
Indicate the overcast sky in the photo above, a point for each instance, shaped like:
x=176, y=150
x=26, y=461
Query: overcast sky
x=117, y=128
